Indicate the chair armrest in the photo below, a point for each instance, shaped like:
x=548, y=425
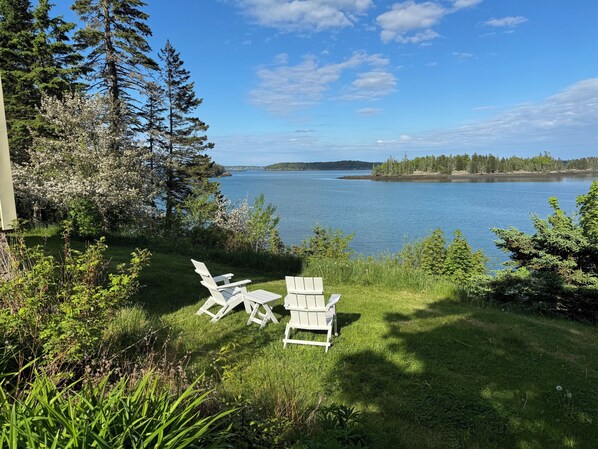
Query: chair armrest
x=223, y=277
x=333, y=300
x=234, y=284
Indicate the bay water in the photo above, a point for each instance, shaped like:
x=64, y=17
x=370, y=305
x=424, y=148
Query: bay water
x=385, y=215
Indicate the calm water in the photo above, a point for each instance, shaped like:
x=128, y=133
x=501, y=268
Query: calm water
x=384, y=215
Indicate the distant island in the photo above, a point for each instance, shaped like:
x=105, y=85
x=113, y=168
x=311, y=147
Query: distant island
x=230, y=168
x=336, y=165
x=480, y=167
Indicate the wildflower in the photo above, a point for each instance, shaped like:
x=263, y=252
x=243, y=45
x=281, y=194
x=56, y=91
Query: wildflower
x=569, y=395
x=559, y=388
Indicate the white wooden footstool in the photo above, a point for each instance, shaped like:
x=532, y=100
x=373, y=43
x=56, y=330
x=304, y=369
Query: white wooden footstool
x=261, y=298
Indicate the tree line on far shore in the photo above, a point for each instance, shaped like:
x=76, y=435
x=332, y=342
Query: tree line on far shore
x=481, y=164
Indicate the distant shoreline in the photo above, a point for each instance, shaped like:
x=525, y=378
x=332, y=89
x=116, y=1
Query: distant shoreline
x=485, y=177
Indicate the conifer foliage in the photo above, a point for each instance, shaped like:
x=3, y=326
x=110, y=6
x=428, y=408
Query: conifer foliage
x=115, y=37
x=36, y=58
x=185, y=161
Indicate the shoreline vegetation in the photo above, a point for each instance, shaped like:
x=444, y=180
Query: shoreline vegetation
x=479, y=177
x=335, y=165
x=485, y=168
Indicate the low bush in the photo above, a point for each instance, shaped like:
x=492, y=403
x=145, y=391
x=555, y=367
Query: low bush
x=57, y=308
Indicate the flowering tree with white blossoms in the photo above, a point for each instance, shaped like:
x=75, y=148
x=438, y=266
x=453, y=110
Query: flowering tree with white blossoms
x=78, y=163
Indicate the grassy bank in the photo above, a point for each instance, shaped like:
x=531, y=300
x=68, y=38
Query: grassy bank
x=425, y=370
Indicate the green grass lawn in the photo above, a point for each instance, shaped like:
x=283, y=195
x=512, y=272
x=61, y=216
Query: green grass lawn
x=425, y=370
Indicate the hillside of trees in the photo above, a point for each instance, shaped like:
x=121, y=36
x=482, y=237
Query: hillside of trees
x=481, y=164
x=337, y=165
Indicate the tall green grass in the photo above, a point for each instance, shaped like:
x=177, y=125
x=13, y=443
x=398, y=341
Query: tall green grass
x=383, y=271
x=107, y=416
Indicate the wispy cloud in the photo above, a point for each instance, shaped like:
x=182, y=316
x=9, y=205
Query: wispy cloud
x=506, y=22
x=369, y=111
x=564, y=124
x=461, y=56
x=371, y=86
x=564, y=121
x=284, y=88
x=304, y=15
x=411, y=22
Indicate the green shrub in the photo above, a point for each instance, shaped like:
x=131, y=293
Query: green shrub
x=326, y=242
x=557, y=265
x=86, y=219
x=58, y=308
x=462, y=263
x=105, y=415
x=337, y=426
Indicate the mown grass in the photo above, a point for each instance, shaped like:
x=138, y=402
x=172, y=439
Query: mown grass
x=426, y=370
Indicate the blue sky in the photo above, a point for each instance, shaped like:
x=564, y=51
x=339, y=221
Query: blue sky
x=321, y=80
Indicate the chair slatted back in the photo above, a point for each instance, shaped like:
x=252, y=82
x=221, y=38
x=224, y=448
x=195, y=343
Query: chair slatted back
x=305, y=300
x=208, y=282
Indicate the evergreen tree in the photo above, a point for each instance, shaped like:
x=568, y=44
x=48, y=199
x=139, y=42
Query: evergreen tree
x=588, y=212
x=115, y=35
x=186, y=164
x=37, y=59
x=57, y=67
x=152, y=123
x=433, y=253
x=16, y=56
x=461, y=262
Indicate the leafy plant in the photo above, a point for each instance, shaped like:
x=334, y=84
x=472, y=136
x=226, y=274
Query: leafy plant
x=84, y=414
x=58, y=309
x=328, y=243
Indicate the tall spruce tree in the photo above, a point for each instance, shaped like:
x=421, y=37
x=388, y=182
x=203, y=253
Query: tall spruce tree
x=57, y=65
x=37, y=58
x=152, y=122
x=16, y=56
x=186, y=163
x=115, y=36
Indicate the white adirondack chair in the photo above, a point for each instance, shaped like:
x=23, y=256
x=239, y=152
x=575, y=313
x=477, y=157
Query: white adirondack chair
x=309, y=311
x=223, y=293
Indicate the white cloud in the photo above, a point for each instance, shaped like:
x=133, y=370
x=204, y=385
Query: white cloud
x=285, y=88
x=506, y=22
x=565, y=121
x=409, y=16
x=411, y=22
x=462, y=56
x=371, y=86
x=297, y=15
x=369, y=111
x=461, y=4
x=564, y=124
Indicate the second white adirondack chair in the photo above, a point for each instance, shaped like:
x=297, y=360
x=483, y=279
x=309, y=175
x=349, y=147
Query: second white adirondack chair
x=309, y=311
x=223, y=293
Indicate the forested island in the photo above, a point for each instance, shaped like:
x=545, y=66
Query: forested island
x=336, y=165
x=475, y=166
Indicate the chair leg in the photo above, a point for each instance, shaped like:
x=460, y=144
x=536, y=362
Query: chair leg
x=328, y=337
x=286, y=336
x=220, y=313
x=205, y=308
x=335, y=326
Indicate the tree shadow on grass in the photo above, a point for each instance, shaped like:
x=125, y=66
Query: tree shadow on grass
x=452, y=377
